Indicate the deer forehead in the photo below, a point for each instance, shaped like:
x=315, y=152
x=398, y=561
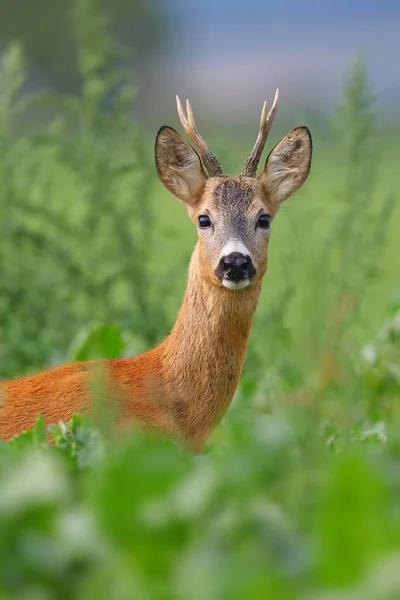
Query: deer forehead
x=232, y=196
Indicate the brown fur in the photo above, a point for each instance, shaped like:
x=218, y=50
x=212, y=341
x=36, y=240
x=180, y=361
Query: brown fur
x=183, y=386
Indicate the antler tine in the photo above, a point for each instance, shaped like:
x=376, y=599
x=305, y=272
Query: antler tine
x=251, y=163
x=212, y=165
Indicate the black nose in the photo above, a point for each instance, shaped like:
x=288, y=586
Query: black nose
x=236, y=267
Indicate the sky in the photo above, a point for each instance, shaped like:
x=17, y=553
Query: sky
x=229, y=50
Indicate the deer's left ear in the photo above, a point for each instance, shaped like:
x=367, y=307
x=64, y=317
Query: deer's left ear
x=287, y=165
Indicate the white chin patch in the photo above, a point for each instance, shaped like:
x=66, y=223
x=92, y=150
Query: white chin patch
x=235, y=285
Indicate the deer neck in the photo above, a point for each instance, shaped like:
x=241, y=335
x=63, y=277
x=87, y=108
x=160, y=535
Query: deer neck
x=204, y=353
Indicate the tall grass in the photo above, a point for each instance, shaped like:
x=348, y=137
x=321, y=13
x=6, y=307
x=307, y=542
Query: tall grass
x=76, y=209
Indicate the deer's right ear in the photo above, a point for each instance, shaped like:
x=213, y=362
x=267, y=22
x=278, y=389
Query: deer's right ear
x=178, y=165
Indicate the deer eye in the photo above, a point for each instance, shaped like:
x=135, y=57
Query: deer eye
x=204, y=221
x=264, y=221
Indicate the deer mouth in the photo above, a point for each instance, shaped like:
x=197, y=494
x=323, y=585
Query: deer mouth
x=235, y=284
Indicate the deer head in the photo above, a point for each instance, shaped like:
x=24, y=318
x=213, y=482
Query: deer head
x=233, y=214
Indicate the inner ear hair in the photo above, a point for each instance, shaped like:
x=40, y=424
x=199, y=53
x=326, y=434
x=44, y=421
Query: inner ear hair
x=178, y=165
x=288, y=165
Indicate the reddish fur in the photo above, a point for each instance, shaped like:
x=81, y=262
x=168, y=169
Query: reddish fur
x=181, y=388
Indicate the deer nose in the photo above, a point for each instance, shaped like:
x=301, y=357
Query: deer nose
x=236, y=262
x=236, y=267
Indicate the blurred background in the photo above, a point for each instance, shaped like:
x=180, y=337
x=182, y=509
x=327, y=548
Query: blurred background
x=297, y=493
x=227, y=55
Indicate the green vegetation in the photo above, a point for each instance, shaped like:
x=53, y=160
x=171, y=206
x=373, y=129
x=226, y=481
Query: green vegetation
x=297, y=493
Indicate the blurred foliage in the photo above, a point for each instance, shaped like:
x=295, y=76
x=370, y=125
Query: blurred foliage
x=268, y=511
x=297, y=492
x=46, y=29
x=75, y=211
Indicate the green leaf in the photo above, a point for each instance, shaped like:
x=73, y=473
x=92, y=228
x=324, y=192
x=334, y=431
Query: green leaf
x=96, y=342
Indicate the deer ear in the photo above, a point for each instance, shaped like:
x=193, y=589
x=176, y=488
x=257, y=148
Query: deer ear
x=287, y=165
x=178, y=165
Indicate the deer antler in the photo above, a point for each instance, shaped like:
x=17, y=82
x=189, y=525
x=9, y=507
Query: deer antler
x=251, y=162
x=212, y=165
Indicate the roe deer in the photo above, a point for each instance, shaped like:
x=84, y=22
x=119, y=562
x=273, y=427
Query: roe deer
x=183, y=386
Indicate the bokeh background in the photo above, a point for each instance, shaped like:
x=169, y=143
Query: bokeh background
x=228, y=55
x=297, y=493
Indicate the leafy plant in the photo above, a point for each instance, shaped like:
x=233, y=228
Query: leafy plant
x=75, y=207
